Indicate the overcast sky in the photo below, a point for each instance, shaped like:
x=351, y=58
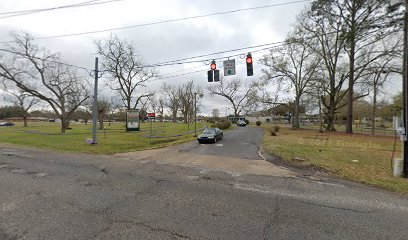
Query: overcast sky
x=161, y=42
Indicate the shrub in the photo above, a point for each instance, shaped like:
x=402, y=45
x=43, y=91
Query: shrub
x=276, y=128
x=211, y=120
x=223, y=125
x=258, y=123
x=246, y=121
x=272, y=131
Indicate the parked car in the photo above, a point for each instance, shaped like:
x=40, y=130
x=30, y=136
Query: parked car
x=241, y=123
x=7, y=124
x=210, y=135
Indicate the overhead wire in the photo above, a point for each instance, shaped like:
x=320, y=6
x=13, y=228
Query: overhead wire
x=39, y=10
x=173, y=20
x=47, y=60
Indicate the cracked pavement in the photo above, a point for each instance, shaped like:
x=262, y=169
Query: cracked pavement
x=177, y=193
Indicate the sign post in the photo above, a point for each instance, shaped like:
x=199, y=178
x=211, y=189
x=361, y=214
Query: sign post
x=151, y=117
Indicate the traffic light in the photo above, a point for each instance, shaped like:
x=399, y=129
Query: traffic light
x=250, y=67
x=210, y=74
x=216, y=75
x=213, y=66
x=213, y=74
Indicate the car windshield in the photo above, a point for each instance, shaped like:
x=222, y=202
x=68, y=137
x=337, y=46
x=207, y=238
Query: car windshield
x=209, y=131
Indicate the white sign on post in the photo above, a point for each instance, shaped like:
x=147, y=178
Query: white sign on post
x=229, y=67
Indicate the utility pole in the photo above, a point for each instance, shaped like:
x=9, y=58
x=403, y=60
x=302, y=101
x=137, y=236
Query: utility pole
x=195, y=111
x=405, y=91
x=394, y=5
x=95, y=102
x=195, y=114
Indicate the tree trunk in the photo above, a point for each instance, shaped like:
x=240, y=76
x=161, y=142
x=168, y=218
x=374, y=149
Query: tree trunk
x=374, y=111
x=185, y=115
x=349, y=123
x=331, y=116
x=25, y=121
x=101, y=126
x=174, y=113
x=296, y=122
x=64, y=124
x=320, y=117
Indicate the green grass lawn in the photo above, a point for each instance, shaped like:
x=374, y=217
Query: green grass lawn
x=357, y=157
x=113, y=139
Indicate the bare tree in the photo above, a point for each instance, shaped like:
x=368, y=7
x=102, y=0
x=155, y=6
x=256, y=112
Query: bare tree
x=172, y=100
x=186, y=94
x=379, y=73
x=160, y=107
x=215, y=113
x=331, y=41
x=235, y=91
x=103, y=106
x=115, y=106
x=23, y=100
x=363, y=23
x=295, y=66
x=41, y=74
x=125, y=68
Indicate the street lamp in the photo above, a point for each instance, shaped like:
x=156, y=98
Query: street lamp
x=394, y=6
x=226, y=112
x=200, y=94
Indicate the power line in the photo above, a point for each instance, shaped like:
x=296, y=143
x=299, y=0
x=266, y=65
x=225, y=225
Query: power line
x=174, y=20
x=47, y=60
x=169, y=63
x=39, y=10
x=182, y=70
x=183, y=60
x=217, y=53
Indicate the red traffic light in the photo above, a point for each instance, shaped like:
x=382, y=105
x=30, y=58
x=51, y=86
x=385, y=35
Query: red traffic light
x=213, y=66
x=249, y=58
x=250, y=67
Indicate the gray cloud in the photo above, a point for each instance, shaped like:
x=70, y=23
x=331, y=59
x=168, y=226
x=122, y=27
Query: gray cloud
x=169, y=41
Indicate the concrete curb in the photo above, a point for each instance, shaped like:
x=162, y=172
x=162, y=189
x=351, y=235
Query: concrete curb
x=260, y=148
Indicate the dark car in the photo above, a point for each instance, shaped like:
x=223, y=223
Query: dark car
x=7, y=124
x=241, y=123
x=210, y=135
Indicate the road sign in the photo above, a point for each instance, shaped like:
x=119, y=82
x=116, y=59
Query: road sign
x=151, y=115
x=229, y=67
x=132, y=120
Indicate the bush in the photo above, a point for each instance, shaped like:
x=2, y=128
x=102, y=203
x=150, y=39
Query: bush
x=211, y=120
x=258, y=123
x=246, y=121
x=272, y=131
x=223, y=125
x=276, y=128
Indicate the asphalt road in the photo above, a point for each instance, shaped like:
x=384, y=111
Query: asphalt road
x=243, y=143
x=46, y=195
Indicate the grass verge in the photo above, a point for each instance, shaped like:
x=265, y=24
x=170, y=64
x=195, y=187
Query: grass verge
x=113, y=139
x=357, y=157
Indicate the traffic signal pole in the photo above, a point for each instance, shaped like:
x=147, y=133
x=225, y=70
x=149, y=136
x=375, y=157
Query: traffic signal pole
x=405, y=92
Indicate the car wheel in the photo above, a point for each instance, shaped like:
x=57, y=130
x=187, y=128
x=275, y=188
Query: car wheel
x=222, y=136
x=215, y=139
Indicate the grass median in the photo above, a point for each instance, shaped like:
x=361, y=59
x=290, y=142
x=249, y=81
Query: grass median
x=113, y=139
x=357, y=157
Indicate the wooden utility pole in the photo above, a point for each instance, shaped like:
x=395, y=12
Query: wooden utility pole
x=95, y=102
